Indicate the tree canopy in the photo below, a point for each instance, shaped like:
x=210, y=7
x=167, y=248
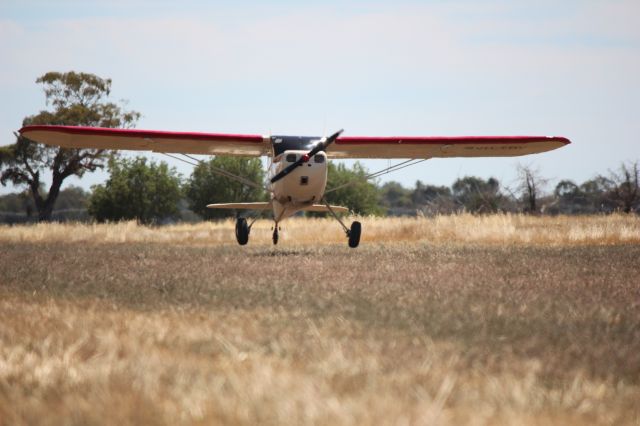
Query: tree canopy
x=205, y=186
x=478, y=195
x=77, y=99
x=136, y=190
x=394, y=195
x=360, y=195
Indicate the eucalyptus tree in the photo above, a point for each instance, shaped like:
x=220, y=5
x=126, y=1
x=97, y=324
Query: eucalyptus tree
x=75, y=99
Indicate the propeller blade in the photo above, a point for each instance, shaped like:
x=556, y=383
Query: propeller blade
x=304, y=158
x=331, y=139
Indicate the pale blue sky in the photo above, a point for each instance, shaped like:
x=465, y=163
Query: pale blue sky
x=374, y=68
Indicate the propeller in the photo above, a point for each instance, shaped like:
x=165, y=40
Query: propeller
x=322, y=146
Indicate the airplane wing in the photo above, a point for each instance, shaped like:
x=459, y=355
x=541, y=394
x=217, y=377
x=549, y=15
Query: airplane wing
x=148, y=140
x=439, y=146
x=256, y=145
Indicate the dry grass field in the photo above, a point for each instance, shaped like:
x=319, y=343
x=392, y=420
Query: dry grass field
x=449, y=320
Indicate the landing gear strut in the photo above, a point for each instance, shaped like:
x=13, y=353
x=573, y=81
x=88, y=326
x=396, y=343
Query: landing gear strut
x=242, y=231
x=353, y=233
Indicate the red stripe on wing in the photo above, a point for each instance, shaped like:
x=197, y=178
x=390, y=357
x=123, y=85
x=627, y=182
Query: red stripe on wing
x=448, y=140
x=150, y=134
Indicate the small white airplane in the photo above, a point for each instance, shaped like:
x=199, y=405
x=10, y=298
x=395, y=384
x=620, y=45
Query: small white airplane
x=298, y=164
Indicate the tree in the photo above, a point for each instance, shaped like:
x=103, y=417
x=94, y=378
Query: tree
x=396, y=199
x=567, y=190
x=360, y=195
x=432, y=199
x=625, y=191
x=530, y=183
x=148, y=193
x=206, y=187
x=569, y=198
x=425, y=193
x=596, y=194
x=77, y=99
x=477, y=195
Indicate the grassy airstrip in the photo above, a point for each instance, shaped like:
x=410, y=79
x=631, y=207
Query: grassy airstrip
x=500, y=319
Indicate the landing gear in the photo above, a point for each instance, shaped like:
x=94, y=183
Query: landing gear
x=275, y=234
x=242, y=231
x=354, y=234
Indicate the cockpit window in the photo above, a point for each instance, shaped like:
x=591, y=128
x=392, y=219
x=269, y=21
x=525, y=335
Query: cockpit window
x=318, y=158
x=291, y=158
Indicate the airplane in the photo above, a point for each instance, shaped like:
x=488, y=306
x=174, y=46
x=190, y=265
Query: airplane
x=297, y=171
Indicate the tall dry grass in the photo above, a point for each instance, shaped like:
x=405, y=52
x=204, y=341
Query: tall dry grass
x=462, y=229
x=406, y=334
x=448, y=320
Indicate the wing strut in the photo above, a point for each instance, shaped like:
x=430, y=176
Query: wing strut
x=219, y=171
x=389, y=169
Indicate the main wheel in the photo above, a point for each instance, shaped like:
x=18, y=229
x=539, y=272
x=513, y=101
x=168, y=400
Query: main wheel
x=242, y=231
x=354, y=234
x=275, y=235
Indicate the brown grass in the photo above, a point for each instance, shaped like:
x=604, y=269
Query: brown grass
x=492, y=329
x=463, y=229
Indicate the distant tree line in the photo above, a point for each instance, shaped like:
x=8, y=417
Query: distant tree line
x=71, y=205
x=153, y=192
x=619, y=191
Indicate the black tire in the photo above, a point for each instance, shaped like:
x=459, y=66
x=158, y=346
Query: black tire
x=354, y=234
x=242, y=231
x=275, y=235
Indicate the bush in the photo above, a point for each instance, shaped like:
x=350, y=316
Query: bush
x=148, y=193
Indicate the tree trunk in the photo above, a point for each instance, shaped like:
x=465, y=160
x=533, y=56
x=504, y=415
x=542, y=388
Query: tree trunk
x=533, y=207
x=531, y=188
x=45, y=209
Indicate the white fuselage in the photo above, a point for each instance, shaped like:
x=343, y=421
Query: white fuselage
x=301, y=188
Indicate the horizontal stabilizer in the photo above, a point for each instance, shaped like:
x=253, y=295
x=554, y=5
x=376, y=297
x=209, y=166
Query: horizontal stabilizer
x=240, y=206
x=323, y=208
x=267, y=206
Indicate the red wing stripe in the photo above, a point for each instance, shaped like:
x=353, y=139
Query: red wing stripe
x=145, y=134
x=447, y=140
